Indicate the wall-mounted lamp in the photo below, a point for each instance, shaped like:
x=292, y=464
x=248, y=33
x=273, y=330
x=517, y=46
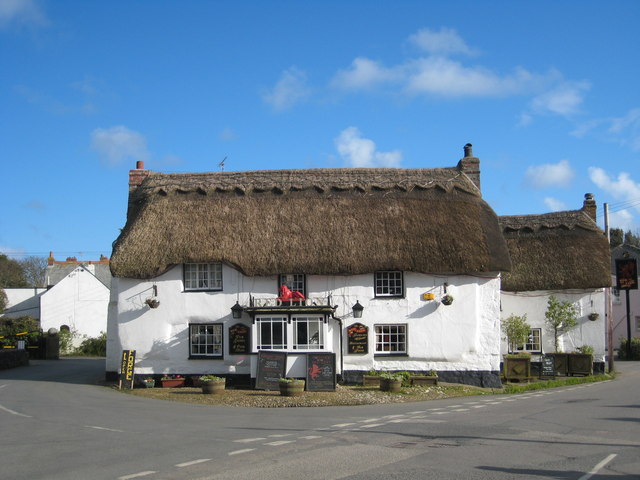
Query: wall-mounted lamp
x=357, y=310
x=237, y=310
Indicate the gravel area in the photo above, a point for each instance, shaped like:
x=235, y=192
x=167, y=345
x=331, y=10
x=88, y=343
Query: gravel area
x=344, y=395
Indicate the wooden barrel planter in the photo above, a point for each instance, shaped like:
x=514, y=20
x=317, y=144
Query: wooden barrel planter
x=424, y=380
x=213, y=388
x=390, y=385
x=291, y=387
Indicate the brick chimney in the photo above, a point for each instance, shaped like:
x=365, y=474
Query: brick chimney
x=589, y=206
x=137, y=176
x=470, y=165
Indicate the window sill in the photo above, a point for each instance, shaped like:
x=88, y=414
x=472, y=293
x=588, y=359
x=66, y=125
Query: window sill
x=384, y=355
x=206, y=357
x=202, y=290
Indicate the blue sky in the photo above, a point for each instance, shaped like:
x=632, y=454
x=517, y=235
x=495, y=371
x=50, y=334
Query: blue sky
x=546, y=91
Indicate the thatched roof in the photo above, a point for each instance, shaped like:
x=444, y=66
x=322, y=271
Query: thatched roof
x=324, y=221
x=555, y=251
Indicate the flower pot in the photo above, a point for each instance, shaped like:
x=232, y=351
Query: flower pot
x=447, y=300
x=594, y=316
x=390, y=385
x=292, y=388
x=580, y=364
x=149, y=383
x=172, y=382
x=422, y=380
x=561, y=361
x=213, y=388
x=371, y=380
x=517, y=368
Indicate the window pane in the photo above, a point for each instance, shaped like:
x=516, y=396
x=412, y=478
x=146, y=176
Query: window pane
x=206, y=339
x=309, y=333
x=388, y=283
x=391, y=338
x=203, y=276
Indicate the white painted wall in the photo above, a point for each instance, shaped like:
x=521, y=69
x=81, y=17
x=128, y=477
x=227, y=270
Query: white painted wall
x=463, y=336
x=23, y=301
x=620, y=317
x=587, y=332
x=79, y=301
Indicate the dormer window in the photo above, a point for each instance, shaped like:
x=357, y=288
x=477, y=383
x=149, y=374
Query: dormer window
x=202, y=276
x=296, y=282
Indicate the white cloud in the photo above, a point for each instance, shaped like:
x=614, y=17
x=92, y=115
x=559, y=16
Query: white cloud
x=361, y=152
x=364, y=73
x=622, y=219
x=565, y=99
x=118, y=144
x=290, y=89
x=624, y=130
x=227, y=135
x=550, y=175
x=622, y=187
x=554, y=204
x=445, y=42
x=21, y=13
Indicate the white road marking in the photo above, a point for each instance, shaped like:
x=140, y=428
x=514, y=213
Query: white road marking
x=479, y=406
x=460, y=410
x=104, y=428
x=248, y=440
x=13, y=412
x=279, y=442
x=310, y=437
x=193, y=462
x=238, y=452
x=440, y=413
x=342, y=424
x=280, y=435
x=396, y=416
x=371, y=425
x=598, y=467
x=369, y=420
x=415, y=413
x=413, y=420
x=137, y=475
x=4, y=385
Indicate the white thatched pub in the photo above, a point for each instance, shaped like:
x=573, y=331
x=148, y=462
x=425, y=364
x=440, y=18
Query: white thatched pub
x=372, y=251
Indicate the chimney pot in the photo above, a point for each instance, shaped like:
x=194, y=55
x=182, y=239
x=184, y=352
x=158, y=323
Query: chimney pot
x=467, y=150
x=140, y=165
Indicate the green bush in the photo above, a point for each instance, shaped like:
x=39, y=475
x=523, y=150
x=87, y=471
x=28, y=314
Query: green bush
x=635, y=349
x=93, y=347
x=19, y=328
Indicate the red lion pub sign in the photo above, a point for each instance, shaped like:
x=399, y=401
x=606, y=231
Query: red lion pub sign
x=626, y=274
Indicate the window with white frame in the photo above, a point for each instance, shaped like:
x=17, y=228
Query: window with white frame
x=308, y=333
x=303, y=332
x=389, y=283
x=272, y=333
x=533, y=344
x=203, y=276
x=205, y=340
x=295, y=281
x=391, y=339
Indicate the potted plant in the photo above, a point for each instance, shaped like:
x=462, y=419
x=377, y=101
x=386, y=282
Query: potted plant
x=561, y=317
x=371, y=379
x=516, y=366
x=172, y=381
x=447, y=299
x=212, y=384
x=291, y=387
x=581, y=361
x=593, y=316
x=390, y=382
x=149, y=382
x=430, y=378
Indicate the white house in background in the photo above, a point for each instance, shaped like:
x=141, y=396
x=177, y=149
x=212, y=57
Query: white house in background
x=76, y=297
x=23, y=302
x=566, y=255
x=619, y=298
x=393, y=241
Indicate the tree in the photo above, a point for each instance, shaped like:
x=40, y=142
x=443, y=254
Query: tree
x=3, y=300
x=34, y=270
x=11, y=274
x=516, y=331
x=616, y=235
x=561, y=317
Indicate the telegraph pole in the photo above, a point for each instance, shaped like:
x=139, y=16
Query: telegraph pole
x=609, y=306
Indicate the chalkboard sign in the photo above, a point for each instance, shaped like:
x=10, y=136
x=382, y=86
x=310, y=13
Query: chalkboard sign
x=321, y=372
x=547, y=366
x=271, y=367
x=239, y=339
x=357, y=338
x=126, y=368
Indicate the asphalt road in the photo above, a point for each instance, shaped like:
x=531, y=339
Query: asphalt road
x=58, y=422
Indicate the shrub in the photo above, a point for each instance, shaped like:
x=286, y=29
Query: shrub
x=93, y=347
x=635, y=349
x=561, y=317
x=516, y=331
x=585, y=349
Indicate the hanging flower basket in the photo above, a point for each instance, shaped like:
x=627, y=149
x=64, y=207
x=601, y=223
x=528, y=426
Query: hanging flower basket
x=152, y=302
x=447, y=300
x=594, y=316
